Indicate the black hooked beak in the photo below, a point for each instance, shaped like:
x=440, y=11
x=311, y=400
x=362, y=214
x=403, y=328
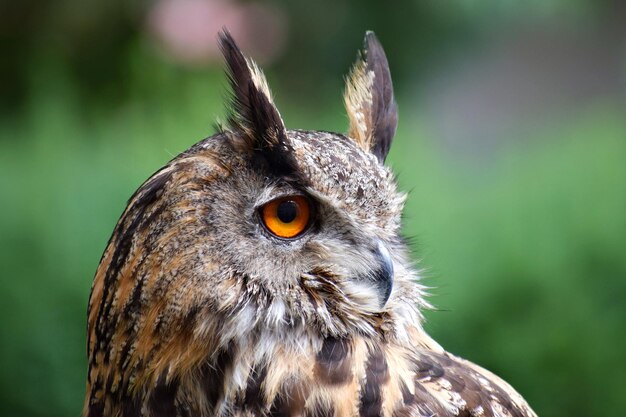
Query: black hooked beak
x=383, y=275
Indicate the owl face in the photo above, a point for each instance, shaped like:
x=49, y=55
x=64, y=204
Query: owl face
x=336, y=215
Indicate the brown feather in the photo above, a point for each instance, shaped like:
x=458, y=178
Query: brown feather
x=254, y=117
x=369, y=100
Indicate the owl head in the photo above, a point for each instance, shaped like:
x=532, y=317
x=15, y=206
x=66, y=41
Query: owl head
x=256, y=230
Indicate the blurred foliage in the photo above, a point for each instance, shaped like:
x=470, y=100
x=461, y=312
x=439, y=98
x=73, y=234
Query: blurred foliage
x=96, y=40
x=528, y=260
x=525, y=253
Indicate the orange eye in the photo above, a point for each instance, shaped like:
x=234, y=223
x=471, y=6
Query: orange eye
x=286, y=217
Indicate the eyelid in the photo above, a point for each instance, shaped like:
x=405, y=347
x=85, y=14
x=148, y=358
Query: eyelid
x=278, y=194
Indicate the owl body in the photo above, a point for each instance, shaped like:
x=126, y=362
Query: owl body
x=262, y=273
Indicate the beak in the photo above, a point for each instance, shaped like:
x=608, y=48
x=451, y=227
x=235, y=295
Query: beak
x=383, y=275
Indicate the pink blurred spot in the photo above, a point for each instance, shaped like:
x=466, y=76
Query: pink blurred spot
x=187, y=29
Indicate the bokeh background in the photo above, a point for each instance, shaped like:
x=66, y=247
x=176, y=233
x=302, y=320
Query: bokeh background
x=512, y=143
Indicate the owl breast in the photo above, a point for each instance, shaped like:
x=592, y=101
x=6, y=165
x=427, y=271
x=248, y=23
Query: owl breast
x=347, y=377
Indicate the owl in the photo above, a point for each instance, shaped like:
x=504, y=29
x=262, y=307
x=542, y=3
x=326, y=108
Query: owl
x=262, y=273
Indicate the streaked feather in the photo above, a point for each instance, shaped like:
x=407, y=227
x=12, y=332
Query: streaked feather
x=369, y=100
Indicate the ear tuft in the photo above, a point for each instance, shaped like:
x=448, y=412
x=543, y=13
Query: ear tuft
x=253, y=116
x=369, y=100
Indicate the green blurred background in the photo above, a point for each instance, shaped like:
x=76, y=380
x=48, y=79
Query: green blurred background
x=512, y=143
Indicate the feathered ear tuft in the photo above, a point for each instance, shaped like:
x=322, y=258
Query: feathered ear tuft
x=253, y=116
x=369, y=100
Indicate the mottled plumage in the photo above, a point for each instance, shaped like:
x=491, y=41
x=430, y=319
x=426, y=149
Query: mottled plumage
x=199, y=309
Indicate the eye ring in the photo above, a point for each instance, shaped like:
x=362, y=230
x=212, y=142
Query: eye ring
x=286, y=217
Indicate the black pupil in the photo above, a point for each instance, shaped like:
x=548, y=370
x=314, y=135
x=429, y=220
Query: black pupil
x=287, y=211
